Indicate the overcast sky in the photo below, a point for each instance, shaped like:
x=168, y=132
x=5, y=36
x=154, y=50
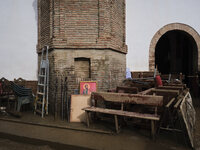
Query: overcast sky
x=18, y=32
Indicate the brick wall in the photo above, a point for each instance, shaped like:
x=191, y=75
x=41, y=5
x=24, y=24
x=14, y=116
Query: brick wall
x=107, y=68
x=31, y=84
x=43, y=23
x=89, y=29
x=118, y=23
x=82, y=24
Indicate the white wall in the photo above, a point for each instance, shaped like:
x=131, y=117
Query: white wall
x=18, y=32
x=18, y=37
x=146, y=17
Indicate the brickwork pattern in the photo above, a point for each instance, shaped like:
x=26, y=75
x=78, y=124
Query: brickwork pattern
x=43, y=23
x=91, y=29
x=82, y=24
x=107, y=68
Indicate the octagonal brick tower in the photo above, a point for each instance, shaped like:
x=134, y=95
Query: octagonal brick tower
x=86, y=40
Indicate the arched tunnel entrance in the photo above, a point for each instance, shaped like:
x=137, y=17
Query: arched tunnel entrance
x=175, y=48
x=176, y=52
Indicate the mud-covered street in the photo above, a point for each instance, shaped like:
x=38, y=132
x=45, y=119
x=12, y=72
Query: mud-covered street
x=6, y=144
x=15, y=136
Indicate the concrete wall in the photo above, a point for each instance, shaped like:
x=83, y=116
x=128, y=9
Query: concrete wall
x=107, y=68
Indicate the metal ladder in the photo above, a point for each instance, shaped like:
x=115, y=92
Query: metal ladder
x=41, y=101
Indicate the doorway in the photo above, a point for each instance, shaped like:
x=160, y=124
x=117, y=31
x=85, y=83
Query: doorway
x=176, y=52
x=175, y=49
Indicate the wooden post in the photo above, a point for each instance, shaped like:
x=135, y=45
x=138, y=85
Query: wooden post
x=116, y=124
x=181, y=77
x=8, y=104
x=153, y=129
x=156, y=110
x=122, y=106
x=87, y=118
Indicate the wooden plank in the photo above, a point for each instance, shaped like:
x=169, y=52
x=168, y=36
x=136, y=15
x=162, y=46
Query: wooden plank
x=180, y=98
x=166, y=91
x=125, y=89
x=146, y=91
x=78, y=102
x=178, y=102
x=129, y=98
x=123, y=113
x=176, y=85
x=171, y=87
x=170, y=102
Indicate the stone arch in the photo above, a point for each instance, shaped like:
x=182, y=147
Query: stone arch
x=170, y=27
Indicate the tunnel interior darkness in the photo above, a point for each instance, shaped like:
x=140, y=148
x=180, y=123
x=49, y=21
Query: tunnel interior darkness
x=176, y=52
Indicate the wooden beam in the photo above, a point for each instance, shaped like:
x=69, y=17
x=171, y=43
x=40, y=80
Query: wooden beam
x=170, y=102
x=129, y=98
x=178, y=102
x=171, y=87
x=123, y=113
x=146, y=91
x=166, y=91
x=124, y=89
x=180, y=98
x=176, y=85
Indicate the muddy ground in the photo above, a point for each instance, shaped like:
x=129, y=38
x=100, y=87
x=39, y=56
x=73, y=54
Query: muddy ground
x=6, y=144
x=128, y=139
x=197, y=128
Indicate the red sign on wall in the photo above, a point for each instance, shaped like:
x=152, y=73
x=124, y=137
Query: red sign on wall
x=87, y=87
